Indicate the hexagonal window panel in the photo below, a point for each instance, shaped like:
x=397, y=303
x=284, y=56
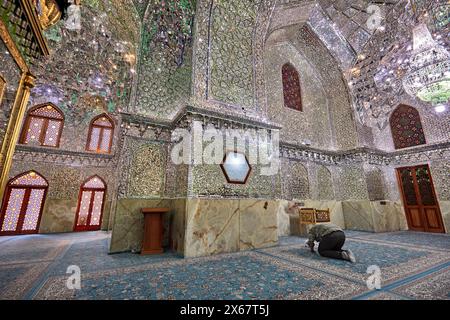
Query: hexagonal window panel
x=235, y=167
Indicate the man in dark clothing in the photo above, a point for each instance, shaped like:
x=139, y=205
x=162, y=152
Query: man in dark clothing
x=331, y=239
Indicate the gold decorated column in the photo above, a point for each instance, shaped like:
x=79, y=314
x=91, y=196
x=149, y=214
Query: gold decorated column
x=14, y=125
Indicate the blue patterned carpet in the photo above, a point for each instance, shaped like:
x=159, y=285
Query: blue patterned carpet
x=413, y=266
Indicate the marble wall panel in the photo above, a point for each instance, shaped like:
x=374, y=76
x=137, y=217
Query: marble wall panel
x=445, y=211
x=388, y=217
x=258, y=227
x=128, y=225
x=358, y=215
x=283, y=222
x=212, y=226
x=58, y=215
x=178, y=225
x=373, y=216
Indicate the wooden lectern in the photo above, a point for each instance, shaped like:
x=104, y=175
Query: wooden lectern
x=153, y=230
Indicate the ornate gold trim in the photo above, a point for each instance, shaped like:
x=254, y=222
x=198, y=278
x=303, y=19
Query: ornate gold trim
x=12, y=48
x=14, y=125
x=50, y=14
x=35, y=24
x=2, y=88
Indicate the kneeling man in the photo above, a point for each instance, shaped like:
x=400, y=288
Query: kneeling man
x=331, y=239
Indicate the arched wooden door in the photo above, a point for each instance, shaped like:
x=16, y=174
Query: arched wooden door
x=23, y=203
x=90, y=205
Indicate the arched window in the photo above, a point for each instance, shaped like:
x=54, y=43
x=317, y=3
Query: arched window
x=100, y=135
x=406, y=127
x=291, y=88
x=43, y=126
x=22, y=205
x=90, y=205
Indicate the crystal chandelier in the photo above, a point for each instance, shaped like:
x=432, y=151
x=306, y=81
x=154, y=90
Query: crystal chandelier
x=428, y=75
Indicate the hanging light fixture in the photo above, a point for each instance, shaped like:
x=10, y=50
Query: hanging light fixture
x=428, y=75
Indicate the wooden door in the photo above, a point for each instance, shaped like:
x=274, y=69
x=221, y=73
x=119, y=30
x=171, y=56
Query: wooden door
x=419, y=199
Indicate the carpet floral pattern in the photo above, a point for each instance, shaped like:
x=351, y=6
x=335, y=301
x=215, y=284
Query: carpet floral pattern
x=413, y=266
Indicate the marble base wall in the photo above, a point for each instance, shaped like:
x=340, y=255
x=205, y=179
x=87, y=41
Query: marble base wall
x=58, y=215
x=226, y=225
x=294, y=226
x=128, y=225
x=373, y=216
x=283, y=218
x=203, y=227
x=445, y=211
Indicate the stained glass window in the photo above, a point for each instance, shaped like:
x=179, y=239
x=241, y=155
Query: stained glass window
x=25, y=196
x=291, y=88
x=43, y=126
x=100, y=134
x=90, y=207
x=33, y=209
x=406, y=127
x=29, y=179
x=84, y=208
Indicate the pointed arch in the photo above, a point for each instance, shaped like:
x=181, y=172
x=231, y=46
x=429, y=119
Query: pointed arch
x=91, y=202
x=291, y=87
x=23, y=203
x=406, y=127
x=101, y=132
x=43, y=125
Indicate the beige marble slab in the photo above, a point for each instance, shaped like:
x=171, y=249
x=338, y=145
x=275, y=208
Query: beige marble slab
x=445, y=211
x=212, y=227
x=388, y=217
x=58, y=215
x=358, y=215
x=178, y=224
x=374, y=216
x=128, y=225
x=258, y=224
